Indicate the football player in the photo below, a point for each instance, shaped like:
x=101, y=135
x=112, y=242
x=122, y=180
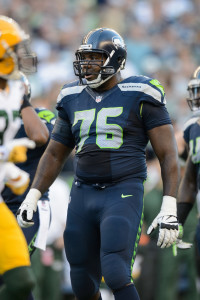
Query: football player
x=32, y=123
x=189, y=190
x=15, y=56
x=109, y=121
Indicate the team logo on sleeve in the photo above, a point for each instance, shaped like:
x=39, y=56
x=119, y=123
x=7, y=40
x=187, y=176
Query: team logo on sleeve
x=98, y=99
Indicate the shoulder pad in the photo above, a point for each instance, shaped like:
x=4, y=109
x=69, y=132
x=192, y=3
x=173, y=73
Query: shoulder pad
x=18, y=84
x=148, y=86
x=70, y=89
x=191, y=121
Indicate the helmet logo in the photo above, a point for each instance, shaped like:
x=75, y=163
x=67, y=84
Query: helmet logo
x=98, y=99
x=118, y=42
x=85, y=47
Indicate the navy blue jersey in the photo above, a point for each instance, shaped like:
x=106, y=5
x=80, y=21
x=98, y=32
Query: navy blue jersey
x=109, y=129
x=33, y=157
x=192, y=138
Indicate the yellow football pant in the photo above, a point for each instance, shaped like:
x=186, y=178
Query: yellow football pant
x=13, y=246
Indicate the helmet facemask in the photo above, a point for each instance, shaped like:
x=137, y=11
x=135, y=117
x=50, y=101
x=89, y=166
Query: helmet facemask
x=83, y=67
x=193, y=99
x=15, y=52
x=17, y=58
x=27, y=60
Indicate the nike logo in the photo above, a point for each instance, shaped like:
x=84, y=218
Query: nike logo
x=46, y=116
x=125, y=196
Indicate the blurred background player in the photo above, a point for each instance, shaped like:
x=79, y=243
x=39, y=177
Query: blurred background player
x=189, y=191
x=190, y=184
x=36, y=124
x=14, y=257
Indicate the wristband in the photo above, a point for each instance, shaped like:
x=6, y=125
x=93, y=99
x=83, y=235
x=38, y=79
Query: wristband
x=183, y=209
x=33, y=194
x=169, y=205
x=32, y=197
x=25, y=103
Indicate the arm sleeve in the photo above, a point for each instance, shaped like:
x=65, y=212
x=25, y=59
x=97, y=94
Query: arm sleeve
x=154, y=115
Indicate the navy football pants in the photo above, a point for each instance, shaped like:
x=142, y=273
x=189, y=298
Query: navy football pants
x=102, y=233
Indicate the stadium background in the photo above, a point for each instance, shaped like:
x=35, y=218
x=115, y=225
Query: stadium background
x=162, y=37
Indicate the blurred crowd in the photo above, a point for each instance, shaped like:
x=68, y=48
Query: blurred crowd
x=162, y=38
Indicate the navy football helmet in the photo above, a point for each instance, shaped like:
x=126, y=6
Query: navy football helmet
x=110, y=45
x=194, y=91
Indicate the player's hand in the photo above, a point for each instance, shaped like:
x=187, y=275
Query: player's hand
x=17, y=149
x=167, y=222
x=19, y=185
x=27, y=208
x=16, y=179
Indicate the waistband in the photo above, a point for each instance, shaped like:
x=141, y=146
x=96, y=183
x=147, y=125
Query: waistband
x=100, y=186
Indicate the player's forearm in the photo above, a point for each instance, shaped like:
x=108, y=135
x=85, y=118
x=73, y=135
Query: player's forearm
x=35, y=129
x=187, y=191
x=170, y=175
x=48, y=169
x=188, y=187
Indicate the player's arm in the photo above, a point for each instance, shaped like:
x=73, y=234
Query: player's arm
x=16, y=179
x=164, y=144
x=50, y=165
x=35, y=129
x=187, y=191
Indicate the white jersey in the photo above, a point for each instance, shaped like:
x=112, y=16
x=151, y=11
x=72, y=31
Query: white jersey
x=10, y=102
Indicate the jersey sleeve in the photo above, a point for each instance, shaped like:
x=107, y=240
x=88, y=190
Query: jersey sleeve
x=60, y=106
x=62, y=98
x=154, y=116
x=47, y=116
x=62, y=133
x=153, y=92
x=187, y=127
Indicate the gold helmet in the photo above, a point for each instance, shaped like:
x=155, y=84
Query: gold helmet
x=15, y=52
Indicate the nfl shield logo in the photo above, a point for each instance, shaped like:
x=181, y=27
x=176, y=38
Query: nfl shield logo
x=98, y=99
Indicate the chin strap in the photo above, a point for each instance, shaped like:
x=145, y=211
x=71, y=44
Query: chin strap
x=98, y=81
